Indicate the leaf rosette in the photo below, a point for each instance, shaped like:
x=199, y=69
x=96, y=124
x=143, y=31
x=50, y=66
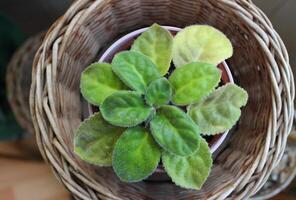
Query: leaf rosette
x=142, y=117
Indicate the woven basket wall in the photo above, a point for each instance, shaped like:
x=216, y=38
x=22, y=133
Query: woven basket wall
x=260, y=64
x=18, y=82
x=281, y=176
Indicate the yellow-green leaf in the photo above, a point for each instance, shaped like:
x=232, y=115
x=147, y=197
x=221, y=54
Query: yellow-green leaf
x=157, y=44
x=192, y=171
x=220, y=110
x=201, y=43
x=193, y=81
x=98, y=81
x=95, y=139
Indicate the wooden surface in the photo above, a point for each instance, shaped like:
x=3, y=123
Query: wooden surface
x=26, y=179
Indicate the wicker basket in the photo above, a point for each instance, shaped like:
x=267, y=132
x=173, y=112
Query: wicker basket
x=18, y=82
x=260, y=64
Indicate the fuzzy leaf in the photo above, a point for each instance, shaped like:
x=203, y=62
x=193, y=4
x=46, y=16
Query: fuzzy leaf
x=175, y=131
x=125, y=108
x=135, y=70
x=95, y=139
x=136, y=155
x=159, y=92
x=98, y=81
x=192, y=171
x=201, y=43
x=219, y=111
x=157, y=44
x=193, y=81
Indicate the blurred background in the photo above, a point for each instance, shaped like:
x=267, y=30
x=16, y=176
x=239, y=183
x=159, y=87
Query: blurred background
x=23, y=177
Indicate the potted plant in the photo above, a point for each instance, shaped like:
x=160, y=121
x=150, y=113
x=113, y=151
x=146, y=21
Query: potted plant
x=152, y=111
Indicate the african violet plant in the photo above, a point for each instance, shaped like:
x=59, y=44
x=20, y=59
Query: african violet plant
x=142, y=117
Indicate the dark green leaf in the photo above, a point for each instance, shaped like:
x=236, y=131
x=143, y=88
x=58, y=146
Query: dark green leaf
x=175, y=131
x=135, y=70
x=159, y=92
x=125, y=108
x=136, y=155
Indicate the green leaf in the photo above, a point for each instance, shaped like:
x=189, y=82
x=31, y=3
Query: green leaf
x=175, y=131
x=98, y=81
x=125, y=108
x=219, y=111
x=201, y=43
x=193, y=81
x=159, y=92
x=95, y=139
x=135, y=70
x=136, y=155
x=157, y=44
x=189, y=172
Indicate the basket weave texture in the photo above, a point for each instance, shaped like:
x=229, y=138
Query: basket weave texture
x=281, y=176
x=260, y=65
x=18, y=81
